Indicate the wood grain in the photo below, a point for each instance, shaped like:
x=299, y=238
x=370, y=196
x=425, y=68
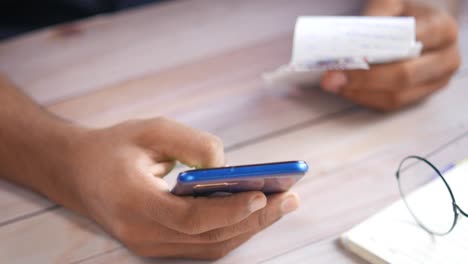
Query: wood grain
x=196, y=94
x=145, y=63
x=110, y=49
x=192, y=89
x=352, y=156
x=17, y=202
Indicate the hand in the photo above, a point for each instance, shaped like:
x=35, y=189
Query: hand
x=391, y=86
x=115, y=179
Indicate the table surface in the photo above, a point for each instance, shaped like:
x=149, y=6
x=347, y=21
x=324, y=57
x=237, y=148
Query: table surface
x=200, y=62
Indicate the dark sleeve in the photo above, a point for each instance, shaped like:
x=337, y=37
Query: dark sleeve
x=19, y=16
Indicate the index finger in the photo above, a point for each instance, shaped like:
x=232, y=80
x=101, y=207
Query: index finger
x=434, y=27
x=188, y=145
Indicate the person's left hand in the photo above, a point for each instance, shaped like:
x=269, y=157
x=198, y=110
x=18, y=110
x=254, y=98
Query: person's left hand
x=390, y=86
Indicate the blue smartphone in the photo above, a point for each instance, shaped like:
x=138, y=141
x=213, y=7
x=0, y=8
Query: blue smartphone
x=266, y=177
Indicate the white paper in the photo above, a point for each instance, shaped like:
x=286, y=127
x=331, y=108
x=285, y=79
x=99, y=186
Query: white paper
x=346, y=43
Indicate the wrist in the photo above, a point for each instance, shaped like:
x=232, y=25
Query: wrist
x=39, y=154
x=36, y=148
x=56, y=167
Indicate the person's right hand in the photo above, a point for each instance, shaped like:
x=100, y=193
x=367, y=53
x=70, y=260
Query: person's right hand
x=113, y=176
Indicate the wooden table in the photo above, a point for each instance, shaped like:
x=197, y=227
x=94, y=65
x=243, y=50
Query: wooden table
x=200, y=63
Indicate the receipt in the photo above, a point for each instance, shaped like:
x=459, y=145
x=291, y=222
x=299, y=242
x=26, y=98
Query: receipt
x=345, y=43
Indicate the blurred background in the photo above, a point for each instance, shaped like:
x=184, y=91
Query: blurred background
x=21, y=16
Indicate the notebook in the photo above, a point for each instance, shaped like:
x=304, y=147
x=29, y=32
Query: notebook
x=393, y=236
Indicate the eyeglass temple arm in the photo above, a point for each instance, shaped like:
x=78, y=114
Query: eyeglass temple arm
x=461, y=211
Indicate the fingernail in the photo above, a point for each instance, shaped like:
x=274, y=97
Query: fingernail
x=333, y=82
x=257, y=203
x=289, y=204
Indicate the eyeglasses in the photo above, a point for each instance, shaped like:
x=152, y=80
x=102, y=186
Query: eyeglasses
x=440, y=215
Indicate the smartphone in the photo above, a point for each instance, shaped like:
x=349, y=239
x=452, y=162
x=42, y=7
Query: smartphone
x=266, y=177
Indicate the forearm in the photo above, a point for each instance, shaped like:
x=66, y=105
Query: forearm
x=34, y=145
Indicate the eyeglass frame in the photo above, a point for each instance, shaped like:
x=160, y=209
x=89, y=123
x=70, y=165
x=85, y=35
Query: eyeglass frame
x=456, y=209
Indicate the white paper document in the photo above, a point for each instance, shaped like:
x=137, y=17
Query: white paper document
x=346, y=43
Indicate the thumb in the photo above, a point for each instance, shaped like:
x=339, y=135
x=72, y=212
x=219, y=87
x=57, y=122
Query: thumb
x=384, y=8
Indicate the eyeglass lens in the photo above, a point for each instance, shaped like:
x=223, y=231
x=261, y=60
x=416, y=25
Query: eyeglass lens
x=436, y=216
